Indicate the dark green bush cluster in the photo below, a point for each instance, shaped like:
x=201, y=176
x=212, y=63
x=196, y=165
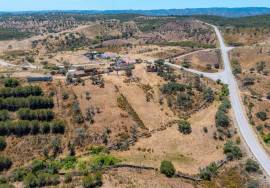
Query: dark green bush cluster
x=11, y=82
x=3, y=143
x=39, y=173
x=252, y=166
x=262, y=115
x=183, y=101
x=24, y=127
x=5, y=163
x=21, y=91
x=32, y=102
x=167, y=168
x=222, y=119
x=209, y=172
x=208, y=94
x=4, y=115
x=172, y=88
x=232, y=151
x=184, y=127
x=40, y=114
x=237, y=69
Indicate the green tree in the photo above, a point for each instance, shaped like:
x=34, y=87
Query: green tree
x=184, y=127
x=232, y=151
x=251, y=166
x=11, y=82
x=167, y=168
x=3, y=143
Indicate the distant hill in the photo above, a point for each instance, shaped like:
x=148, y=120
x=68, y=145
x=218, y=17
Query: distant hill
x=226, y=12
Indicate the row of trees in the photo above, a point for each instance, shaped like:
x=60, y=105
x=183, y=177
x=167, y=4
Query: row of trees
x=40, y=114
x=24, y=127
x=20, y=91
x=4, y=115
x=32, y=102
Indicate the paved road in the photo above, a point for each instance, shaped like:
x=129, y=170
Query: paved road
x=245, y=128
x=240, y=116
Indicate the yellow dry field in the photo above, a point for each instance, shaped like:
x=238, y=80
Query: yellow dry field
x=123, y=178
x=154, y=52
x=187, y=152
x=199, y=60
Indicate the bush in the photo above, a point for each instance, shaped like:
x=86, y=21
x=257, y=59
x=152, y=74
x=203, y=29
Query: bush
x=172, y=88
x=92, y=181
x=4, y=115
x=5, y=163
x=67, y=178
x=40, y=114
x=208, y=172
x=184, y=101
x=225, y=90
x=232, y=151
x=30, y=181
x=252, y=166
x=184, y=127
x=21, y=91
x=208, y=95
x=46, y=179
x=58, y=126
x=222, y=119
x=3, y=143
x=248, y=81
x=11, y=82
x=167, y=168
x=262, y=116
x=18, y=174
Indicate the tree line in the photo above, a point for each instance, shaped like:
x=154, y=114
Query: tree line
x=25, y=127
x=32, y=102
x=40, y=114
x=20, y=91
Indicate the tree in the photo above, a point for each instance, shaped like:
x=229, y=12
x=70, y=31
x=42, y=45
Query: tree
x=11, y=82
x=208, y=95
x=4, y=115
x=251, y=166
x=5, y=163
x=208, y=172
x=167, y=168
x=184, y=127
x=261, y=115
x=232, y=151
x=222, y=119
x=183, y=101
x=3, y=143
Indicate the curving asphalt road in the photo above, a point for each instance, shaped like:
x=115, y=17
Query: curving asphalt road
x=242, y=121
x=245, y=128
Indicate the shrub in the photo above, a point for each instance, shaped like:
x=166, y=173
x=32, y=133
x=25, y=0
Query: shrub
x=30, y=181
x=4, y=115
x=67, y=178
x=248, y=81
x=184, y=127
x=57, y=126
x=92, y=181
x=11, y=82
x=222, y=119
x=69, y=162
x=46, y=179
x=208, y=172
x=5, y=163
x=252, y=166
x=261, y=115
x=18, y=174
x=184, y=101
x=3, y=143
x=225, y=90
x=172, y=88
x=232, y=151
x=167, y=168
x=208, y=95
x=65, y=95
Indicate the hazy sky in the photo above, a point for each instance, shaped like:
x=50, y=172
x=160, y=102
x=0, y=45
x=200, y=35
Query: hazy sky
x=17, y=5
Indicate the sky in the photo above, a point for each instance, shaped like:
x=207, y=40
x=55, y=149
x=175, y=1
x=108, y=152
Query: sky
x=27, y=5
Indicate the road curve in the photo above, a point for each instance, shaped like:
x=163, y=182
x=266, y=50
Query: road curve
x=242, y=121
